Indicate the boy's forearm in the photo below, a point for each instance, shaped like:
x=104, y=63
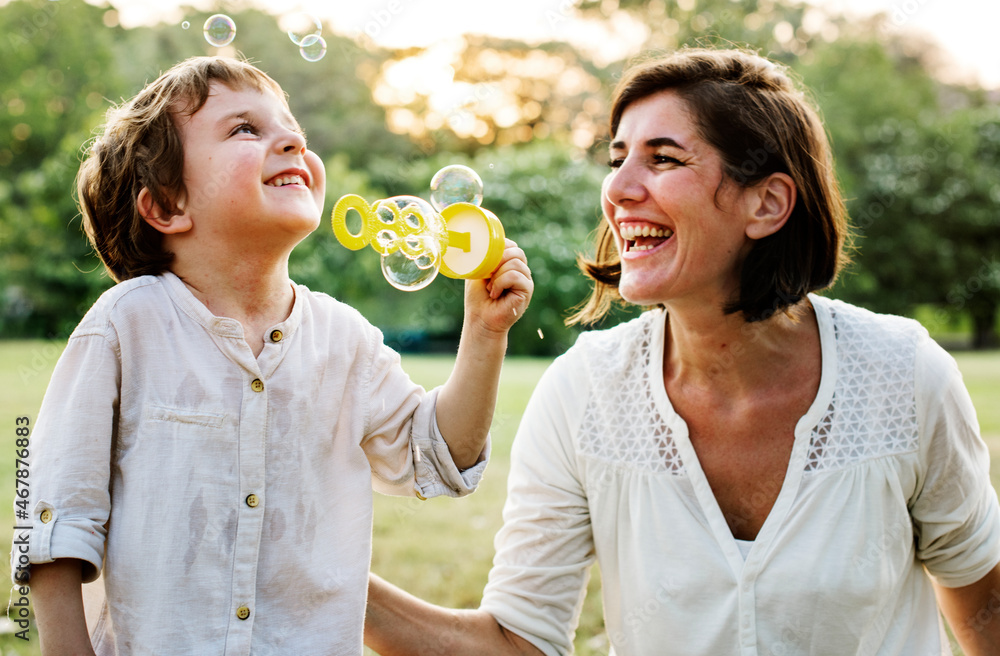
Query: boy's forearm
x=465, y=405
x=467, y=400
x=57, y=596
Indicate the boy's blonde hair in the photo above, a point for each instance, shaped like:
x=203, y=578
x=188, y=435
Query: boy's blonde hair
x=141, y=147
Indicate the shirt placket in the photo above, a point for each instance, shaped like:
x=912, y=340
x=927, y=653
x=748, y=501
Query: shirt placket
x=250, y=516
x=748, y=612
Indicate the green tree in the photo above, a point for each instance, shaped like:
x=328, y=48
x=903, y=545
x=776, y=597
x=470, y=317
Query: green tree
x=58, y=69
x=918, y=168
x=65, y=64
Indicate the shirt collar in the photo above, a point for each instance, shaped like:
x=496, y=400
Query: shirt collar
x=225, y=326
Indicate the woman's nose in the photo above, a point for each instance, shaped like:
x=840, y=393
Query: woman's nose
x=623, y=184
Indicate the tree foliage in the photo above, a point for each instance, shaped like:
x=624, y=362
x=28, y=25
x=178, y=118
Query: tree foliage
x=917, y=158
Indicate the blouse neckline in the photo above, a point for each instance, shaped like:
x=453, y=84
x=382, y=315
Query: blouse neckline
x=797, y=459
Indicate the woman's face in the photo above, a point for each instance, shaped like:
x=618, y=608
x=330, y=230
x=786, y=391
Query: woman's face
x=679, y=240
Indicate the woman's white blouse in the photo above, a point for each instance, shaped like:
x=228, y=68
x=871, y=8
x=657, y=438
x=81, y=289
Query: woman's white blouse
x=888, y=481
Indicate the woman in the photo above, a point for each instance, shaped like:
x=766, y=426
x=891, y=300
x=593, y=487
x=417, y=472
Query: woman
x=757, y=469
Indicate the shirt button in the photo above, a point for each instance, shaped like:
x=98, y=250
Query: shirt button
x=276, y=335
x=46, y=516
x=257, y=385
x=243, y=612
x=253, y=500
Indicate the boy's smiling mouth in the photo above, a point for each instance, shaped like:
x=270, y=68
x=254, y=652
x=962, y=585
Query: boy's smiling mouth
x=288, y=178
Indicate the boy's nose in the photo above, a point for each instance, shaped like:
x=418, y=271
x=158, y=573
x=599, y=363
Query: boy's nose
x=294, y=142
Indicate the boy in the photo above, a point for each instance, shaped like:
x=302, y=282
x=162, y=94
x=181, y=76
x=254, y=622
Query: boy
x=212, y=433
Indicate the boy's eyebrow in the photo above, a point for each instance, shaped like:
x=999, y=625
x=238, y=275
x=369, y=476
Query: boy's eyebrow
x=652, y=143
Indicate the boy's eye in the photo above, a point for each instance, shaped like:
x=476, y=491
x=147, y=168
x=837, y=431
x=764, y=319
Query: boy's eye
x=244, y=128
x=615, y=162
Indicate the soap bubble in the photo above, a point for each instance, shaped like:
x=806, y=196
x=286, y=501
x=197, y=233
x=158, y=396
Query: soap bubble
x=185, y=25
x=456, y=184
x=220, y=30
x=410, y=274
x=300, y=26
x=386, y=238
x=313, y=48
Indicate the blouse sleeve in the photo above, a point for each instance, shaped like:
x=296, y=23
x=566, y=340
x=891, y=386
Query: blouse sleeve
x=955, y=512
x=545, y=548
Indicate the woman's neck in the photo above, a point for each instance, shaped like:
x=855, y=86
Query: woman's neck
x=708, y=349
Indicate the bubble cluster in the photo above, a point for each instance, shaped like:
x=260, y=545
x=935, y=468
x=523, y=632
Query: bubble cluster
x=456, y=184
x=313, y=48
x=220, y=30
x=417, y=240
x=410, y=262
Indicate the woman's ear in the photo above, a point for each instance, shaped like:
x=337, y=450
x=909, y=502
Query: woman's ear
x=157, y=217
x=771, y=203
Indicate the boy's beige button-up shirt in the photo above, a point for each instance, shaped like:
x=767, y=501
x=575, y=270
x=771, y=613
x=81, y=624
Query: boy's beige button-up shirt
x=227, y=498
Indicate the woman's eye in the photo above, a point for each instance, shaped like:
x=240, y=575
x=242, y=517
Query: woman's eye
x=665, y=159
x=615, y=162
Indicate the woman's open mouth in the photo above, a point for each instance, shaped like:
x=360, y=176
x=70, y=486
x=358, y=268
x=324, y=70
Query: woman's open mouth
x=643, y=237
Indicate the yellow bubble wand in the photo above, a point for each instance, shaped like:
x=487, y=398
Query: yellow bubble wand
x=417, y=239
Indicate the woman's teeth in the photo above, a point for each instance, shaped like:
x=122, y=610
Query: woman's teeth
x=631, y=232
x=651, y=236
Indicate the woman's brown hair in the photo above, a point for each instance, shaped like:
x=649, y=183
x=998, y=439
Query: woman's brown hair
x=749, y=110
x=140, y=147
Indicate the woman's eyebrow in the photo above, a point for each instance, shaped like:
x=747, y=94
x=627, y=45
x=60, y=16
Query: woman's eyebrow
x=665, y=141
x=656, y=142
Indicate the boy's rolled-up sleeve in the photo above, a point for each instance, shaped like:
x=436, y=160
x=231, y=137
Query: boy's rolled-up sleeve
x=70, y=456
x=436, y=472
x=407, y=453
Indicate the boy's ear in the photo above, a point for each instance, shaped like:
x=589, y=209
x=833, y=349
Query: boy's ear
x=157, y=217
x=771, y=203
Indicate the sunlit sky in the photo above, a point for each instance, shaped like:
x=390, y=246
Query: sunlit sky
x=966, y=28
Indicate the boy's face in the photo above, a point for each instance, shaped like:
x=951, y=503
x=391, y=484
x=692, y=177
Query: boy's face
x=247, y=172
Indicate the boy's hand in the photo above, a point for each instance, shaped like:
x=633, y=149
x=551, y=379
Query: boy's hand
x=497, y=302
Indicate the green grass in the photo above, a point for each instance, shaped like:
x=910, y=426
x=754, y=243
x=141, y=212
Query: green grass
x=439, y=549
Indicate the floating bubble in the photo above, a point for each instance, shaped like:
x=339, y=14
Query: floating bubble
x=412, y=273
x=220, y=30
x=185, y=25
x=456, y=184
x=313, y=48
x=300, y=26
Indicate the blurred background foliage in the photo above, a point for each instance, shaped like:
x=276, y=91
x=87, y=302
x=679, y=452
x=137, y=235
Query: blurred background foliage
x=918, y=158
